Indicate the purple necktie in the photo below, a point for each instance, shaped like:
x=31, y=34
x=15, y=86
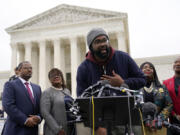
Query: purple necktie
x=29, y=91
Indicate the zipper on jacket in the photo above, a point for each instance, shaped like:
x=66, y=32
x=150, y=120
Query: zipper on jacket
x=104, y=69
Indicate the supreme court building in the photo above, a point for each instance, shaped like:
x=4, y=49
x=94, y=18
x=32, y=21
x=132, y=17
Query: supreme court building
x=57, y=38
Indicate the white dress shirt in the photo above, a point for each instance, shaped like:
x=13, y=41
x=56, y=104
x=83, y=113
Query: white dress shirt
x=29, y=84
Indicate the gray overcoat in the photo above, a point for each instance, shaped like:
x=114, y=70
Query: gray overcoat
x=53, y=110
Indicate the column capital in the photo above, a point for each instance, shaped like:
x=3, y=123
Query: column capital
x=13, y=45
x=27, y=45
x=73, y=39
x=41, y=42
x=56, y=41
x=120, y=34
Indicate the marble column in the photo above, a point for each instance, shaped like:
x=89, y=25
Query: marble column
x=21, y=54
x=121, y=42
x=87, y=48
x=42, y=64
x=74, y=64
x=56, y=43
x=13, y=57
x=28, y=47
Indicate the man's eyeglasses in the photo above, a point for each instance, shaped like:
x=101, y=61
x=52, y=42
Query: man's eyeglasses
x=98, y=41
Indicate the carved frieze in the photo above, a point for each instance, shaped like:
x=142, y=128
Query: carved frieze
x=65, y=15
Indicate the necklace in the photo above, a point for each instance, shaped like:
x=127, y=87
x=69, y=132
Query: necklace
x=149, y=90
x=56, y=88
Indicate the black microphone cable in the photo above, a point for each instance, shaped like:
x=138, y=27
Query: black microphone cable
x=129, y=112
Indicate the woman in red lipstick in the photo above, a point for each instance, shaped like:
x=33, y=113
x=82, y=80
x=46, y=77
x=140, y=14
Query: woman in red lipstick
x=155, y=93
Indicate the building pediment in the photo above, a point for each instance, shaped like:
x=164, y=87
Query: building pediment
x=65, y=14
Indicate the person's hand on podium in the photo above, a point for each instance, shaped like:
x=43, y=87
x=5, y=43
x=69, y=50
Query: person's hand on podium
x=101, y=131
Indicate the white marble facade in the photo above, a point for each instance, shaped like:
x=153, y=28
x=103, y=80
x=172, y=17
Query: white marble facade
x=57, y=38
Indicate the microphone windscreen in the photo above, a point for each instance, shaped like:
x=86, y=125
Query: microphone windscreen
x=149, y=108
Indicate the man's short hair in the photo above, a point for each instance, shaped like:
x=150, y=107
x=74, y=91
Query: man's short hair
x=21, y=64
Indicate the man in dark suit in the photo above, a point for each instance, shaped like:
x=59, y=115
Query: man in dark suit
x=21, y=100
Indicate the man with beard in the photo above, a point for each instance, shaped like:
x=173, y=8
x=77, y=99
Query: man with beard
x=104, y=63
x=173, y=86
x=21, y=100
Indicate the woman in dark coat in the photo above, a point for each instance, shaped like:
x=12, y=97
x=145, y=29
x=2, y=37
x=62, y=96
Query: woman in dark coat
x=157, y=94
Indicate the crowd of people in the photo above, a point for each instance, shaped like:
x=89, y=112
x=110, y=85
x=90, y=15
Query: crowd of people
x=26, y=105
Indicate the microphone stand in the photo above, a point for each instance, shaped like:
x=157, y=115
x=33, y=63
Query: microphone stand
x=128, y=92
x=104, y=86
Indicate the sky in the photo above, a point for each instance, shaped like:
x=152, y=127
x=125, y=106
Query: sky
x=154, y=25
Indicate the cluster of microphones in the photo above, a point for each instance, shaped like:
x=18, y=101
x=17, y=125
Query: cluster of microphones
x=154, y=121
x=149, y=111
x=102, y=89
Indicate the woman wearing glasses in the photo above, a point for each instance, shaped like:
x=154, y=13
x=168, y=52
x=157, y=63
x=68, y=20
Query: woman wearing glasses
x=53, y=105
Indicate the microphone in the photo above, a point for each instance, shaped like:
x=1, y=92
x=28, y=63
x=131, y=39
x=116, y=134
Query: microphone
x=104, y=84
x=159, y=122
x=94, y=89
x=173, y=127
x=140, y=98
x=103, y=88
x=108, y=90
x=125, y=86
x=149, y=108
x=149, y=111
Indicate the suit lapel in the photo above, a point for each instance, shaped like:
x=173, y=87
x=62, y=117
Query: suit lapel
x=34, y=93
x=24, y=90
